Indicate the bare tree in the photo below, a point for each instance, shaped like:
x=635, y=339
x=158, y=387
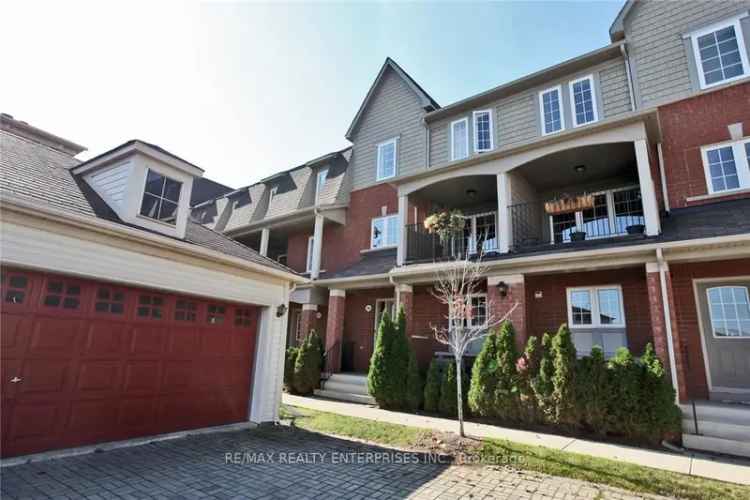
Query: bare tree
x=454, y=286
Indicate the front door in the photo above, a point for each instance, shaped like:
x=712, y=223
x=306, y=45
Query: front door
x=725, y=325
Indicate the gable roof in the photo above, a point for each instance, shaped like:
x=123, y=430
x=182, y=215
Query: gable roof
x=617, y=30
x=426, y=101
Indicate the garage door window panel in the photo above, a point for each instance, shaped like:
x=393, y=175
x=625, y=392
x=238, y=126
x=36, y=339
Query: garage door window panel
x=186, y=311
x=150, y=307
x=109, y=301
x=243, y=317
x=15, y=289
x=216, y=314
x=62, y=295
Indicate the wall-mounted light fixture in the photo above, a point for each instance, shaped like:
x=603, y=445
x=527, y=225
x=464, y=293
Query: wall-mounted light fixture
x=502, y=287
x=471, y=193
x=580, y=168
x=281, y=310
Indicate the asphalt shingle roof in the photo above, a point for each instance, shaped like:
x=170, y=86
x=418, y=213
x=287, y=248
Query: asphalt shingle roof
x=39, y=174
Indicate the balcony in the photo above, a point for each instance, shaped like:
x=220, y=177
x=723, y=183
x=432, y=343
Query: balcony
x=479, y=237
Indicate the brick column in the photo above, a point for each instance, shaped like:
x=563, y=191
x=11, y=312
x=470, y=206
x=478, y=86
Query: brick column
x=335, y=329
x=500, y=305
x=679, y=354
x=405, y=298
x=308, y=318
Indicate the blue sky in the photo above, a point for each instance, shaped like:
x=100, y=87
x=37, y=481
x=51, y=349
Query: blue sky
x=246, y=89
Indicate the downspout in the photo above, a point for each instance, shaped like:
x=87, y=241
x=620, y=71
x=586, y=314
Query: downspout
x=397, y=291
x=667, y=320
x=427, y=144
x=624, y=51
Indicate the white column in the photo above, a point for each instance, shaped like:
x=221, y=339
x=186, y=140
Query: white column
x=265, y=233
x=504, y=228
x=317, y=246
x=648, y=192
x=403, y=206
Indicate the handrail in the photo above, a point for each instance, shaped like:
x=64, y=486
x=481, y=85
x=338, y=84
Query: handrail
x=331, y=360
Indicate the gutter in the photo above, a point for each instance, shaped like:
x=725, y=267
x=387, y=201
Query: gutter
x=15, y=204
x=289, y=217
x=662, y=263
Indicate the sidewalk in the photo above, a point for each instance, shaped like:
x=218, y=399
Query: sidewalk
x=694, y=464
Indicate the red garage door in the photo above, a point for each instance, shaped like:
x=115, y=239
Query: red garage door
x=86, y=362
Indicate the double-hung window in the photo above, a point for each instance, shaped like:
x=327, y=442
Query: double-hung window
x=583, y=101
x=596, y=307
x=320, y=183
x=483, y=131
x=460, y=139
x=161, y=196
x=727, y=166
x=719, y=52
x=310, y=245
x=384, y=231
x=550, y=108
x=387, y=159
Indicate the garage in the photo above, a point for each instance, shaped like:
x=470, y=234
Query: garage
x=86, y=361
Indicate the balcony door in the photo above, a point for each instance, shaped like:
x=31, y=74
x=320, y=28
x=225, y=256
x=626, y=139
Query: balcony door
x=480, y=233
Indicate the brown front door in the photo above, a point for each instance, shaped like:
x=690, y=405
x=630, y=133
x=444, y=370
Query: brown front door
x=85, y=362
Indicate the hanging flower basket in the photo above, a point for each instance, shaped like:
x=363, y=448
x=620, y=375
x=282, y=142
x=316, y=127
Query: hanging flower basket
x=445, y=223
x=567, y=204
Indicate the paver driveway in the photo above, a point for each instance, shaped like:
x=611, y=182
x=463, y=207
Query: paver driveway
x=196, y=467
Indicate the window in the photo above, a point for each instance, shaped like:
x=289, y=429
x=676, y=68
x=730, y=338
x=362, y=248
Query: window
x=62, y=294
x=16, y=288
x=613, y=212
x=480, y=232
x=582, y=102
x=160, y=197
x=320, y=183
x=720, y=54
x=216, y=314
x=483, y=131
x=243, y=316
x=384, y=231
x=460, y=139
x=550, y=108
x=109, y=300
x=310, y=244
x=186, y=310
x=729, y=308
x=727, y=166
x=595, y=307
x=150, y=306
x=474, y=314
x=387, y=154
x=274, y=191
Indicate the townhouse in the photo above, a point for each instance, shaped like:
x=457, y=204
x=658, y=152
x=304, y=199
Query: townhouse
x=610, y=191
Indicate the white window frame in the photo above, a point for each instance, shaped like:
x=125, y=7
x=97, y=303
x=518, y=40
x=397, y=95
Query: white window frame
x=486, y=307
x=610, y=215
x=466, y=139
x=710, y=315
x=594, y=294
x=475, y=114
x=472, y=220
x=594, y=106
x=392, y=311
x=161, y=198
x=273, y=192
x=559, y=90
x=740, y=162
x=310, y=250
x=733, y=21
x=389, y=219
x=378, y=175
x=320, y=184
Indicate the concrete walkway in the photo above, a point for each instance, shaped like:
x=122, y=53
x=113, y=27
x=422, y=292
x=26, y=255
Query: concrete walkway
x=721, y=468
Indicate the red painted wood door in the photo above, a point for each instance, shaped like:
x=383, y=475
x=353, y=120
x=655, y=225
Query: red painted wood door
x=85, y=362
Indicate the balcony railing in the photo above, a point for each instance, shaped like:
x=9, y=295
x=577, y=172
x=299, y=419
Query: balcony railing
x=423, y=246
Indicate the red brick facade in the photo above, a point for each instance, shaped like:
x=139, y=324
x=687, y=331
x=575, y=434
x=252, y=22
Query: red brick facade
x=515, y=301
x=359, y=325
x=691, y=123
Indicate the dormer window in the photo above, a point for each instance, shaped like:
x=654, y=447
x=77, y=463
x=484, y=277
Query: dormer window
x=161, y=197
x=320, y=183
x=274, y=192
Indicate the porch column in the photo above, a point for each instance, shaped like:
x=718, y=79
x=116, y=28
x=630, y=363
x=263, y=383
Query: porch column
x=405, y=298
x=500, y=304
x=403, y=206
x=504, y=227
x=335, y=329
x=265, y=234
x=308, y=318
x=317, y=246
x=648, y=191
x=680, y=367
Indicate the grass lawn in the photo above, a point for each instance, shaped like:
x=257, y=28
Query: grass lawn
x=631, y=477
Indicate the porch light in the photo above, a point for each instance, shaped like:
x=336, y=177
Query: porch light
x=580, y=168
x=471, y=193
x=281, y=310
x=502, y=287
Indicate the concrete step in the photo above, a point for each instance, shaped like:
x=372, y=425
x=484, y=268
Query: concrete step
x=723, y=430
x=349, y=378
x=345, y=396
x=716, y=445
x=336, y=386
x=718, y=412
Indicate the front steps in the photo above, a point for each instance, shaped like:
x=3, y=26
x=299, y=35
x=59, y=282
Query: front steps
x=722, y=427
x=346, y=387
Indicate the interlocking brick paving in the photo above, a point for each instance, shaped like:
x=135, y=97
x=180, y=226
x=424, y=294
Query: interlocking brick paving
x=257, y=464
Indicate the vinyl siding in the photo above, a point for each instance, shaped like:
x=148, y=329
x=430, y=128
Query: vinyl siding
x=111, y=183
x=662, y=61
x=393, y=111
x=517, y=117
x=294, y=191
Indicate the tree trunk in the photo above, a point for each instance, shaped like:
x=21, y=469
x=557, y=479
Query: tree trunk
x=459, y=395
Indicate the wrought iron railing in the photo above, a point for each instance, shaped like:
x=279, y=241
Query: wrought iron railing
x=422, y=245
x=331, y=360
